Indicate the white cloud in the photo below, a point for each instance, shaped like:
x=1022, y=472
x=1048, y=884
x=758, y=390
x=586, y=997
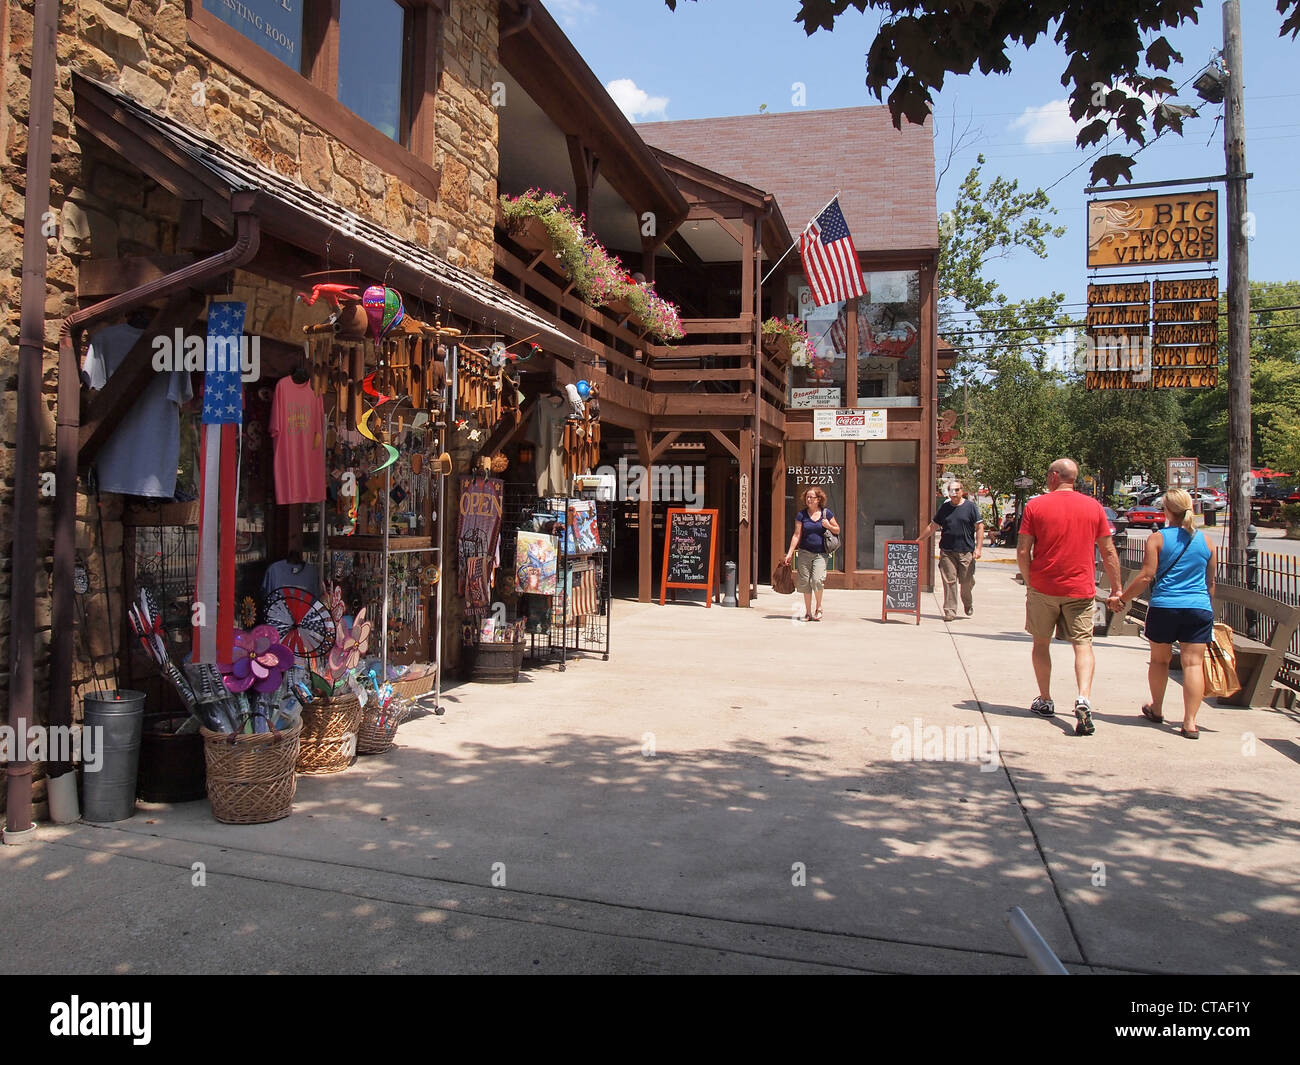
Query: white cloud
x=571, y=12
x=635, y=102
x=1048, y=124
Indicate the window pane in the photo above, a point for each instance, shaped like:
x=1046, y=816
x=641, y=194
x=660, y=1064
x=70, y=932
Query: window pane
x=275, y=25
x=886, y=497
x=371, y=51
x=889, y=336
x=814, y=464
x=824, y=369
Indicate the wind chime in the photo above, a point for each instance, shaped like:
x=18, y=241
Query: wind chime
x=582, y=429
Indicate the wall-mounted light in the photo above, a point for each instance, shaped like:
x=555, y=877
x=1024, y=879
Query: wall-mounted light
x=525, y=454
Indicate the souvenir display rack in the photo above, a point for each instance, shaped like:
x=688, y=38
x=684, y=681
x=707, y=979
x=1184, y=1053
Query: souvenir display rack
x=557, y=633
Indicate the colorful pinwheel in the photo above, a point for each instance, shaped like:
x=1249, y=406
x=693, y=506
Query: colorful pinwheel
x=350, y=645
x=303, y=622
x=260, y=661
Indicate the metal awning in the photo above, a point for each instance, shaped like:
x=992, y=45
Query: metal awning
x=192, y=166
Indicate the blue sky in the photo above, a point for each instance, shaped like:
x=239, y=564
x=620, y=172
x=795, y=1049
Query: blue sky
x=728, y=57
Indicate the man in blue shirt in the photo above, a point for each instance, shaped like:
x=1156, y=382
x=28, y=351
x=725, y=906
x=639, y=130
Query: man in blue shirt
x=960, y=544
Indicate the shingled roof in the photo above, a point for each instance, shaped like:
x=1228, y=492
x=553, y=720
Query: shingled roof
x=885, y=176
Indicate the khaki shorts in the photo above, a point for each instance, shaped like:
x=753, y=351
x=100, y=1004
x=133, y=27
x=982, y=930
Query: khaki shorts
x=1069, y=619
x=810, y=571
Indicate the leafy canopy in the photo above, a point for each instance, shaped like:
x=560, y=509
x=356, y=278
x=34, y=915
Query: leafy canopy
x=1116, y=51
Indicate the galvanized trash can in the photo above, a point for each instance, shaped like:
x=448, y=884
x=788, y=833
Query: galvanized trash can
x=117, y=718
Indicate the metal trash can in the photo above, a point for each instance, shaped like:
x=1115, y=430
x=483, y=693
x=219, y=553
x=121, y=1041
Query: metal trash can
x=1211, y=516
x=117, y=718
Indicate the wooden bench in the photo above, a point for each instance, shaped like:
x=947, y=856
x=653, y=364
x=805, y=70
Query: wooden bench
x=1257, y=662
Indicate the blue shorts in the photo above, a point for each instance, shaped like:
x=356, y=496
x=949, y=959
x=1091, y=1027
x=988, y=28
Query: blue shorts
x=1172, y=624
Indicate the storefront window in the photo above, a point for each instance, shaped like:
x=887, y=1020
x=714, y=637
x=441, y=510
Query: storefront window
x=887, y=500
x=814, y=464
x=818, y=379
x=275, y=25
x=889, y=336
x=372, y=37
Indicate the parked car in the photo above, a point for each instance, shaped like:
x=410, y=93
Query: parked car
x=1118, y=527
x=1210, y=500
x=1149, y=495
x=1147, y=517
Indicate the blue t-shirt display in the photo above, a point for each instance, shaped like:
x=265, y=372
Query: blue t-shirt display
x=1182, y=585
x=958, y=524
x=141, y=456
x=812, y=538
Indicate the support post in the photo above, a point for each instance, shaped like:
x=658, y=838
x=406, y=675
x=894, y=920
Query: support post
x=1234, y=147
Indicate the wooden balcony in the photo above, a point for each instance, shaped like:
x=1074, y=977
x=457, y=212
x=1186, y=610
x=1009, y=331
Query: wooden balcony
x=707, y=377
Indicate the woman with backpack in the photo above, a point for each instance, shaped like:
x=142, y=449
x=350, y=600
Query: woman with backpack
x=1179, y=563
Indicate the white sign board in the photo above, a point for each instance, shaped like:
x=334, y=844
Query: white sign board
x=841, y=424
x=814, y=397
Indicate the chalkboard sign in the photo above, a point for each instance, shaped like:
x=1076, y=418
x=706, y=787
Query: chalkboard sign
x=902, y=592
x=690, y=540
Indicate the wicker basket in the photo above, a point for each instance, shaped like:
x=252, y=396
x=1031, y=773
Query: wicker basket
x=329, y=734
x=414, y=687
x=379, y=727
x=251, y=778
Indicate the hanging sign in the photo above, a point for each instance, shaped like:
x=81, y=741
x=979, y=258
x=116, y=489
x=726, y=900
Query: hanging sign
x=902, y=590
x=690, y=542
x=1163, y=230
x=814, y=397
x=850, y=424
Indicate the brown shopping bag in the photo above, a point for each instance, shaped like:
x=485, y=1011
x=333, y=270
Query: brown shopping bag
x=783, y=578
x=1220, y=664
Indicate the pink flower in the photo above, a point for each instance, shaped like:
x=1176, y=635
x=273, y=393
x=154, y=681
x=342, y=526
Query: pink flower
x=260, y=661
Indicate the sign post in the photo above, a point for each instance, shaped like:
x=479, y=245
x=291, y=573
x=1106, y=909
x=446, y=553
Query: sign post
x=1183, y=473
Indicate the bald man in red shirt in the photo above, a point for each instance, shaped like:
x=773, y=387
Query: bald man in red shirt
x=1055, y=552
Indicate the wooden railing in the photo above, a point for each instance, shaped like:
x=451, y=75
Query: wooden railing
x=626, y=352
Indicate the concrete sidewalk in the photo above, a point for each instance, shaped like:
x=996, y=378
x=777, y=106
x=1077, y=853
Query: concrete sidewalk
x=731, y=792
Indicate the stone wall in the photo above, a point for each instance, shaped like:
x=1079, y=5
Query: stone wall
x=101, y=207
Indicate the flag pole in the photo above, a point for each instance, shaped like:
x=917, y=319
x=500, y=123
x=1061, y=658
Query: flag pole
x=796, y=241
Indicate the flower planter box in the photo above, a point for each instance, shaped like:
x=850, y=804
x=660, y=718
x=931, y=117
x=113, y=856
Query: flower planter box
x=778, y=346
x=531, y=234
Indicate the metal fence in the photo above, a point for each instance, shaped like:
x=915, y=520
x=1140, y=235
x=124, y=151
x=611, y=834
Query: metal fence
x=1269, y=573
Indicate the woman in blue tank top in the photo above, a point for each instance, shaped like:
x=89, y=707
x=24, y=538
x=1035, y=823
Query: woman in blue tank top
x=1180, y=562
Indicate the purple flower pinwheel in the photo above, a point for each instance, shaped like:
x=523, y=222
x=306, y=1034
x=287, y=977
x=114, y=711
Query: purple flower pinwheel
x=260, y=661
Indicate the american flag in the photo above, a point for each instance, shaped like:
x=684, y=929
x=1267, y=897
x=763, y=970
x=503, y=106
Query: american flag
x=830, y=261
x=223, y=414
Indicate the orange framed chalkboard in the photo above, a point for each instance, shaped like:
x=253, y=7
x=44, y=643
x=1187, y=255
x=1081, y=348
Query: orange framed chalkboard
x=690, y=552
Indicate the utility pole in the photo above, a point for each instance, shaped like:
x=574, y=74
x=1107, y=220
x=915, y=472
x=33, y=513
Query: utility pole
x=1234, y=147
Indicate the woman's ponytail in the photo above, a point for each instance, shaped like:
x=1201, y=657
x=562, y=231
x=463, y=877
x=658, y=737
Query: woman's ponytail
x=1178, y=505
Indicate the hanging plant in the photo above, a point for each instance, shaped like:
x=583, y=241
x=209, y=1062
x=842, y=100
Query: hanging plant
x=598, y=275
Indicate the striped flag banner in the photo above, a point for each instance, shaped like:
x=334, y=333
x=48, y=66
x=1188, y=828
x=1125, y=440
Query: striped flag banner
x=223, y=415
x=830, y=261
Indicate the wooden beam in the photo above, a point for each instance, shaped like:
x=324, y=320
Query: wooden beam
x=665, y=442
x=702, y=211
x=778, y=506
x=726, y=442
x=645, y=532
x=107, y=277
x=134, y=374
x=745, y=563
x=585, y=168
x=681, y=247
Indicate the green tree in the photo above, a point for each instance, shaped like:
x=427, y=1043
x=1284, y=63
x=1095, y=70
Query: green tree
x=1274, y=376
x=1017, y=423
x=1118, y=433
x=987, y=225
x=1115, y=50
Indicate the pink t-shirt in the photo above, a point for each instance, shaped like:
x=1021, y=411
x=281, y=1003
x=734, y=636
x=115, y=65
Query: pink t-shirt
x=297, y=427
x=1066, y=527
